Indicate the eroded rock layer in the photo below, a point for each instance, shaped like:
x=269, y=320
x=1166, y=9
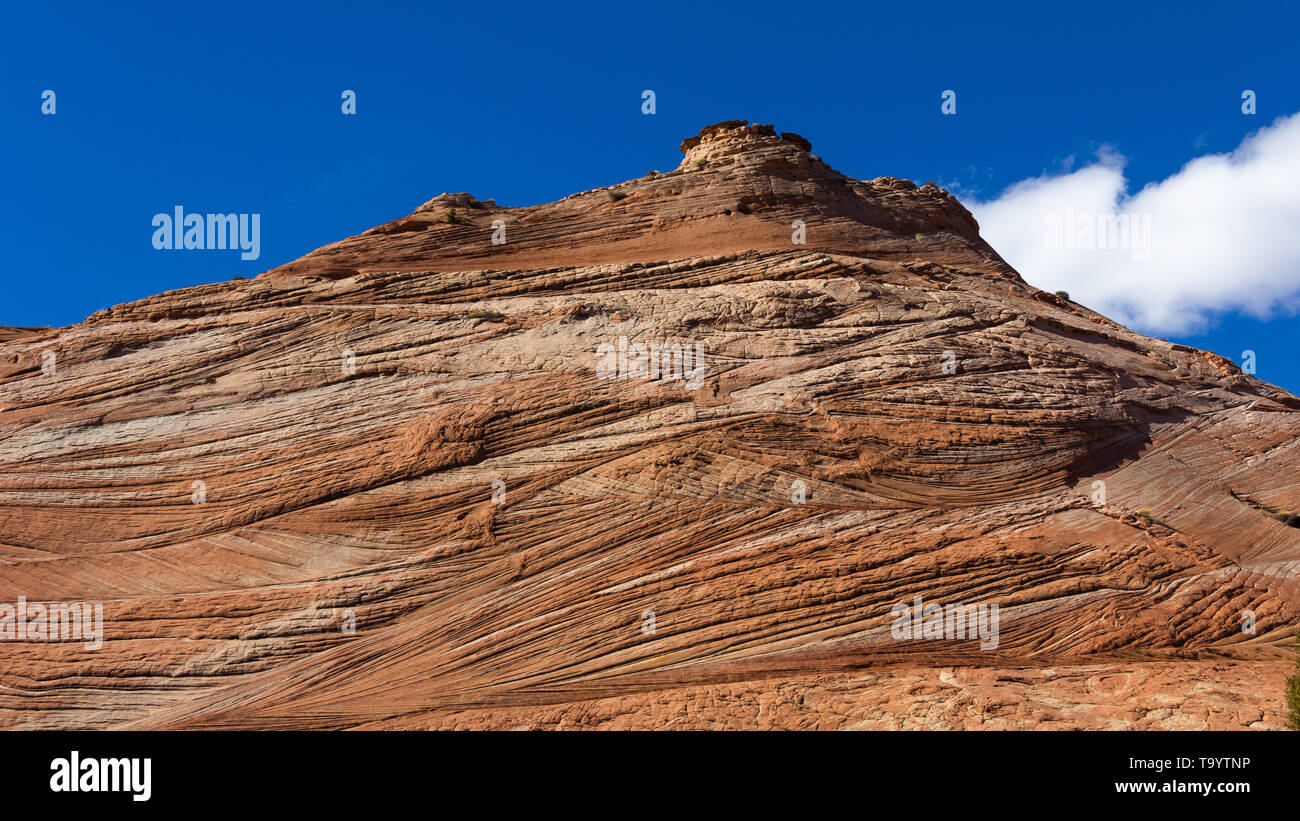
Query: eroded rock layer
x=389, y=484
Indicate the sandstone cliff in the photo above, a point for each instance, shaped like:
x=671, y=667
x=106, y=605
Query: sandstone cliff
x=384, y=485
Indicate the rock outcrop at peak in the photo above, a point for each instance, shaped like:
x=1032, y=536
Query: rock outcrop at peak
x=446, y=201
x=739, y=188
x=733, y=136
x=648, y=463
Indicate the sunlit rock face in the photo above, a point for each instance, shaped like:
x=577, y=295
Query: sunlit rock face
x=680, y=452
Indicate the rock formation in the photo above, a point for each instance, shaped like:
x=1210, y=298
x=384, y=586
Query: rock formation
x=422, y=478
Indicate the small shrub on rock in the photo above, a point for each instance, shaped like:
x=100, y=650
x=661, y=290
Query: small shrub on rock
x=1293, y=692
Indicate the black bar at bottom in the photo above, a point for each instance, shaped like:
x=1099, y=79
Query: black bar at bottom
x=458, y=773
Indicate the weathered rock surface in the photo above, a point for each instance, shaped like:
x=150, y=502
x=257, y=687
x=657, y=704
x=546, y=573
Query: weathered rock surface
x=239, y=472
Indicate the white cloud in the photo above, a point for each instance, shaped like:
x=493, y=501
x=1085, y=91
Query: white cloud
x=1224, y=235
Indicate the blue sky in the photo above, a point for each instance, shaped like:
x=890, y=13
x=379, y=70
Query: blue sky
x=235, y=107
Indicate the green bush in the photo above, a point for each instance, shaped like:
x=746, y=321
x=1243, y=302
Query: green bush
x=615, y=196
x=452, y=217
x=1293, y=692
x=1064, y=295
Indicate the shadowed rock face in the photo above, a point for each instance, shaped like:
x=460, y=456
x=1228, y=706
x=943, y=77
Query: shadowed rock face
x=409, y=431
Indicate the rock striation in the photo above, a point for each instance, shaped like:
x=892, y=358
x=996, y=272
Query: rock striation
x=420, y=479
